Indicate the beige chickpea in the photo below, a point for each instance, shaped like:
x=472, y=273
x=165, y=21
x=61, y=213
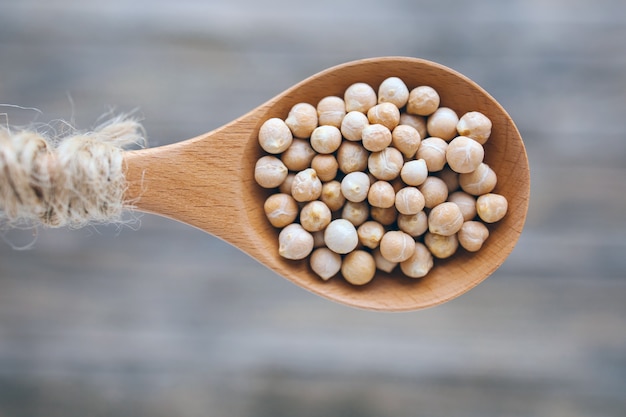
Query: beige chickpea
x=397, y=246
x=419, y=264
x=466, y=203
x=285, y=186
x=480, y=181
x=442, y=123
x=491, y=207
x=332, y=196
x=326, y=139
x=475, y=125
x=464, y=154
x=340, y=236
x=434, y=190
x=414, y=172
x=370, y=233
x=306, y=186
x=393, y=90
x=275, y=136
x=413, y=224
x=423, y=101
x=352, y=125
x=358, y=267
x=472, y=235
x=302, y=120
x=351, y=157
x=385, y=216
x=326, y=166
x=450, y=177
x=445, y=219
x=386, y=114
x=325, y=263
x=355, y=186
x=281, y=209
x=315, y=216
x=386, y=164
x=360, y=97
x=330, y=111
x=441, y=247
x=298, y=156
x=355, y=213
x=376, y=137
x=409, y=200
x=416, y=122
x=294, y=242
x=381, y=194
x=433, y=151
x=383, y=264
x=269, y=171
x=318, y=239
x=406, y=139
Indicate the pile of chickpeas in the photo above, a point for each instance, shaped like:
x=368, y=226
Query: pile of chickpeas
x=377, y=180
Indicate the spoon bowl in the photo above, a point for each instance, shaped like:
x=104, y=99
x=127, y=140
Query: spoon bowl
x=208, y=182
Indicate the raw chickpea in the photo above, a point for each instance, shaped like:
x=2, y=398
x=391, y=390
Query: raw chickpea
x=480, y=181
x=386, y=164
x=298, y=156
x=434, y=191
x=383, y=264
x=275, y=136
x=326, y=139
x=393, y=90
x=340, y=236
x=409, y=200
x=315, y=216
x=359, y=97
x=433, y=151
x=294, y=242
x=355, y=186
x=352, y=125
x=386, y=114
x=285, y=186
x=450, y=177
x=370, y=233
x=441, y=247
x=397, y=246
x=325, y=263
x=381, y=194
x=384, y=216
x=423, y=101
x=318, y=239
x=306, y=186
x=281, y=209
x=330, y=111
x=413, y=224
x=414, y=172
x=376, y=137
x=442, y=123
x=302, y=119
x=419, y=264
x=466, y=202
x=475, y=125
x=445, y=219
x=269, y=171
x=472, y=235
x=491, y=207
x=326, y=166
x=464, y=154
x=416, y=122
x=355, y=213
x=352, y=157
x=331, y=195
x=406, y=139
x=358, y=267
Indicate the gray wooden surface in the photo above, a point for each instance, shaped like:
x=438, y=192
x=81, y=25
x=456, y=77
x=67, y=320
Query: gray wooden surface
x=157, y=319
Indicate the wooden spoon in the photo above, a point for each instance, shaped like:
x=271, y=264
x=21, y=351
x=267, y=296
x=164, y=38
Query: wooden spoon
x=208, y=182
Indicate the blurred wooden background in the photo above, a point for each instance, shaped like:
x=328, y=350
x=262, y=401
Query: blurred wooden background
x=157, y=319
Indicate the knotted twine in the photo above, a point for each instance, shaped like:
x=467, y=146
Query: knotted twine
x=75, y=181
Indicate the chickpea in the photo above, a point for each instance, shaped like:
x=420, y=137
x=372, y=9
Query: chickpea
x=360, y=97
x=383, y=264
x=275, y=136
x=434, y=191
x=326, y=166
x=370, y=233
x=326, y=139
x=298, y=156
x=355, y=186
x=340, y=236
x=325, y=263
x=416, y=122
x=269, y=171
x=445, y=219
x=433, y=151
x=294, y=242
x=352, y=125
x=475, y=125
x=466, y=203
x=285, y=186
x=441, y=247
x=315, y=216
x=393, y=90
x=419, y=264
x=358, y=267
x=386, y=114
x=352, y=157
x=331, y=195
x=330, y=111
x=491, y=207
x=406, y=139
x=381, y=194
x=472, y=235
x=281, y=209
x=450, y=177
x=384, y=216
x=318, y=239
x=423, y=101
x=397, y=246
x=306, y=186
x=355, y=213
x=480, y=181
x=414, y=172
x=442, y=123
x=464, y=154
x=302, y=119
x=413, y=224
x=409, y=200
x=376, y=137
x=386, y=164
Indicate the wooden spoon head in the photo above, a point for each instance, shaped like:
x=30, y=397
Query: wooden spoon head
x=504, y=153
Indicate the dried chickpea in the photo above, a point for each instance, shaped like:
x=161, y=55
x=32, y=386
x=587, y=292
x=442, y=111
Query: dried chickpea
x=376, y=137
x=306, y=186
x=423, y=101
x=416, y=122
x=445, y=219
x=441, y=247
x=466, y=203
x=480, y=181
x=491, y=207
x=326, y=139
x=414, y=172
x=413, y=224
x=318, y=239
x=298, y=156
x=450, y=177
x=340, y=236
x=285, y=186
x=464, y=154
x=302, y=119
x=397, y=246
x=434, y=190
x=442, y=123
x=472, y=235
x=433, y=151
x=383, y=264
x=409, y=200
x=358, y=267
x=385, y=216
x=330, y=111
x=370, y=233
x=326, y=166
x=393, y=90
x=352, y=125
x=355, y=186
x=315, y=216
x=269, y=171
x=351, y=157
x=355, y=213
x=360, y=97
x=275, y=136
x=475, y=125
x=386, y=114
x=281, y=209
x=294, y=242
x=386, y=164
x=325, y=263
x=381, y=194
x=331, y=195
x=419, y=264
x=406, y=139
